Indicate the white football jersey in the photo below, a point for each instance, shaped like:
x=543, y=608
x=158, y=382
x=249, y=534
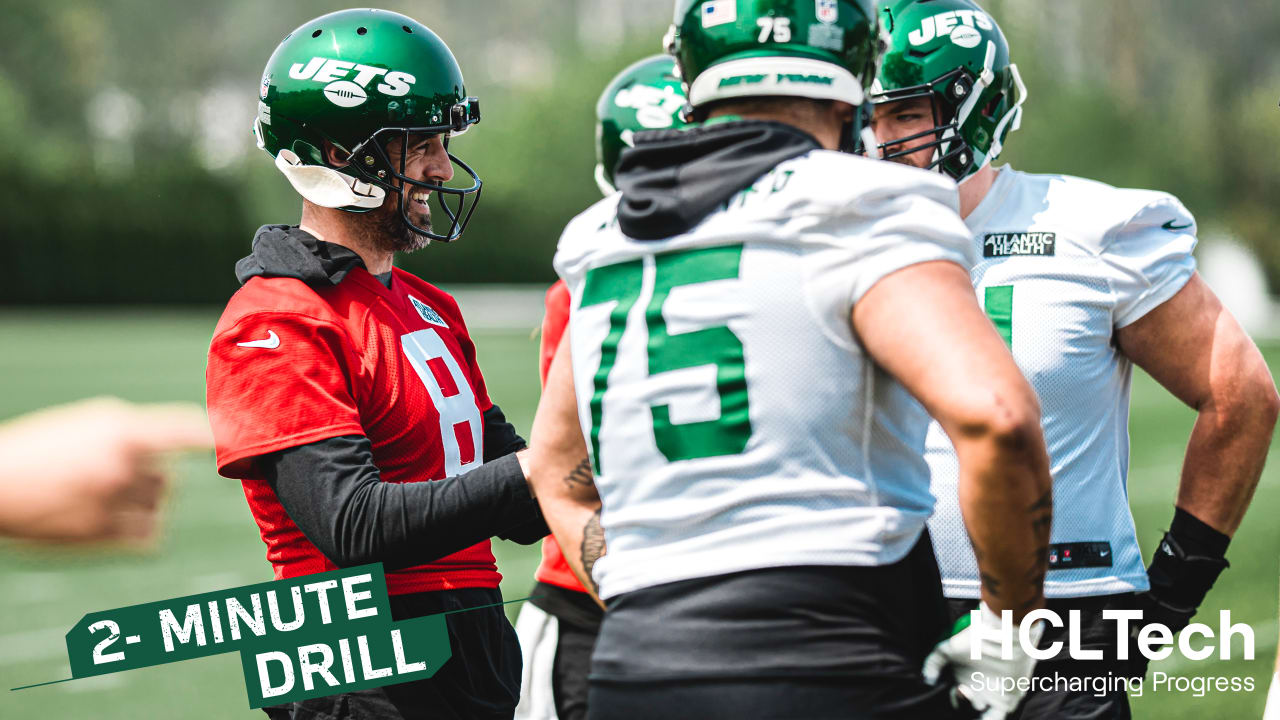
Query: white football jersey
x=1062, y=262
x=734, y=420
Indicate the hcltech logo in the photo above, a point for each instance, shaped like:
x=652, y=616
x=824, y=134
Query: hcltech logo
x=346, y=91
x=1154, y=640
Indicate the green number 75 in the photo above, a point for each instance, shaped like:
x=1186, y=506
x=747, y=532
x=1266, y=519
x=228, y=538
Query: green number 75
x=623, y=283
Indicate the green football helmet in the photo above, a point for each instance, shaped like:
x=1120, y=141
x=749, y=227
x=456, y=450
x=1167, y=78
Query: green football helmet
x=648, y=95
x=357, y=79
x=818, y=49
x=953, y=53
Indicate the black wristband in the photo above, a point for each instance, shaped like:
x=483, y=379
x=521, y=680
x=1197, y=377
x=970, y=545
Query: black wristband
x=1196, y=537
x=1187, y=563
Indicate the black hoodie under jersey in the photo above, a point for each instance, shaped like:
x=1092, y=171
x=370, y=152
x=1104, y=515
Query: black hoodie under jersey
x=673, y=179
x=332, y=489
x=289, y=251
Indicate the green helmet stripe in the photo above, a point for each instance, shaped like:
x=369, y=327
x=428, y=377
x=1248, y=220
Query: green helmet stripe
x=773, y=75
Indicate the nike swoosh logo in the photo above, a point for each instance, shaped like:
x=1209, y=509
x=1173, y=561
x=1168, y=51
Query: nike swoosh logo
x=1174, y=228
x=270, y=342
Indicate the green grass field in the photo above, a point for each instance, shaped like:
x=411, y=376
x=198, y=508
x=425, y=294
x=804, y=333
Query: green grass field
x=211, y=543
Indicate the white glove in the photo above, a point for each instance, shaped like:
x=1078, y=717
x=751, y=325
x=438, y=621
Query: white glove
x=955, y=652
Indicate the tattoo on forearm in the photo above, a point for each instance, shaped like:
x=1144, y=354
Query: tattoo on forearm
x=580, y=476
x=1026, y=605
x=1041, y=512
x=990, y=583
x=1044, y=503
x=593, y=547
x=1035, y=575
x=1039, y=564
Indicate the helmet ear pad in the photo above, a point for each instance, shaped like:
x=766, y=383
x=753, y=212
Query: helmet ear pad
x=325, y=186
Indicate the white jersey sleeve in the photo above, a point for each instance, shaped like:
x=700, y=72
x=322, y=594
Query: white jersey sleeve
x=1151, y=257
x=909, y=219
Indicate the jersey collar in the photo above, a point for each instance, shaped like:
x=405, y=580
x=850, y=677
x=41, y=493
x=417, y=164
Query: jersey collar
x=365, y=279
x=994, y=198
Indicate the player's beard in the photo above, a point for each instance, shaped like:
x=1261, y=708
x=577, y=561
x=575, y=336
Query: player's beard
x=391, y=232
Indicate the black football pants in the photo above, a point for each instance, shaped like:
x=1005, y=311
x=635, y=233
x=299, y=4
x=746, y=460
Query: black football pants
x=810, y=643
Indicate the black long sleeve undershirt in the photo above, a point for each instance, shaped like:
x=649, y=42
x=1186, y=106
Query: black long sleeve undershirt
x=500, y=436
x=334, y=494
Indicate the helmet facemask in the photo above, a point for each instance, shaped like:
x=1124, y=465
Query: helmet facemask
x=953, y=99
x=373, y=164
x=949, y=148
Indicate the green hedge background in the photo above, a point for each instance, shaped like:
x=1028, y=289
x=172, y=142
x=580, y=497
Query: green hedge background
x=131, y=175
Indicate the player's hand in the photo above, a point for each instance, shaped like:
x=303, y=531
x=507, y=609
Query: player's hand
x=955, y=654
x=91, y=471
x=1179, y=581
x=1153, y=611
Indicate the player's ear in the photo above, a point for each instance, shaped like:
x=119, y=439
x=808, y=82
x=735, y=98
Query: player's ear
x=335, y=156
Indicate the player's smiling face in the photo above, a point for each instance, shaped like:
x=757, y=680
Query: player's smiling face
x=904, y=118
x=426, y=161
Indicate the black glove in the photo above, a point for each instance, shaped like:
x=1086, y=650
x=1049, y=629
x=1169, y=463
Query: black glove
x=1182, y=571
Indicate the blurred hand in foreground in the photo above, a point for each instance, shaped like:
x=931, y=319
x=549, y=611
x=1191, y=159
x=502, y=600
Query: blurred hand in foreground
x=91, y=471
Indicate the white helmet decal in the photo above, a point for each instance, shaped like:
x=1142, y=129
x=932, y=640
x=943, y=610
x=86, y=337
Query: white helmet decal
x=345, y=90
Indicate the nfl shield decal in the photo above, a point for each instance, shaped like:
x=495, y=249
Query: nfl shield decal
x=827, y=11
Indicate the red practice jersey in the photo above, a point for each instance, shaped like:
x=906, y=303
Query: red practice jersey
x=292, y=364
x=554, y=569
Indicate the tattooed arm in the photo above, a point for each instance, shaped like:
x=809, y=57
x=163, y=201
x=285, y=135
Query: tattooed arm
x=560, y=472
x=923, y=325
x=593, y=548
